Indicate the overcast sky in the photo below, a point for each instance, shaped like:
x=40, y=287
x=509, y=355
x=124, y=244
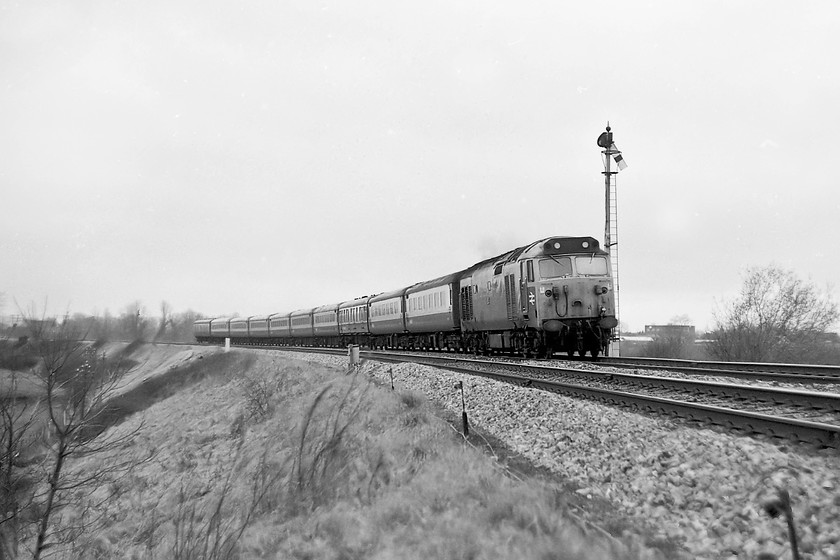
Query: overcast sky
x=263, y=156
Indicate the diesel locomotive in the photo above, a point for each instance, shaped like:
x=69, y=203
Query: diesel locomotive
x=552, y=295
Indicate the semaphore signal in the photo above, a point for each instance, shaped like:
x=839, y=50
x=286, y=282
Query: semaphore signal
x=605, y=140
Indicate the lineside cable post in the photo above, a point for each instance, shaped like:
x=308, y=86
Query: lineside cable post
x=605, y=140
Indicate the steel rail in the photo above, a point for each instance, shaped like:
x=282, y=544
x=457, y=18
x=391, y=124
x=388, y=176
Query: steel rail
x=790, y=373
x=817, y=433
x=776, y=395
x=773, y=395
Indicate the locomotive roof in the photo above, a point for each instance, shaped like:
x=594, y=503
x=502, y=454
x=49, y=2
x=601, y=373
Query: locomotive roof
x=547, y=246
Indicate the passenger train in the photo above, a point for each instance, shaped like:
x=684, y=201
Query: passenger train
x=552, y=295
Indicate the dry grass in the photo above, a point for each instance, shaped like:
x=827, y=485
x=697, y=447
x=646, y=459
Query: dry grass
x=257, y=457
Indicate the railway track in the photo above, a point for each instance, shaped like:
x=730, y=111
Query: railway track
x=805, y=416
x=786, y=373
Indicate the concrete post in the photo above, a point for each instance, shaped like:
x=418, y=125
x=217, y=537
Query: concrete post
x=353, y=352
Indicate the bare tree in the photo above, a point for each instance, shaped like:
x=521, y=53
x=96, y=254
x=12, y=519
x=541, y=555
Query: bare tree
x=74, y=385
x=683, y=319
x=165, y=320
x=104, y=327
x=17, y=443
x=133, y=321
x=182, y=325
x=777, y=317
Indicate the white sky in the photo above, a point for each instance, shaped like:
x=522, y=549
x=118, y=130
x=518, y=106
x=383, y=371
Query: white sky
x=263, y=156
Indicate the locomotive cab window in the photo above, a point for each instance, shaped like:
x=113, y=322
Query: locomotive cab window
x=591, y=266
x=555, y=267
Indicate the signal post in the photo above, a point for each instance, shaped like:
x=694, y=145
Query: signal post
x=605, y=140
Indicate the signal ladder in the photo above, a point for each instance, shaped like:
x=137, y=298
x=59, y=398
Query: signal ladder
x=612, y=211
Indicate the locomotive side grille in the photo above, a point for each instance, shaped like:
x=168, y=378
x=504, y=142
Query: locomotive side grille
x=466, y=303
x=510, y=296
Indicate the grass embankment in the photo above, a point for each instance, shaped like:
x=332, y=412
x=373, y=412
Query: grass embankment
x=250, y=456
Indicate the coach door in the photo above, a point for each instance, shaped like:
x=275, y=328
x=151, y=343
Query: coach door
x=528, y=294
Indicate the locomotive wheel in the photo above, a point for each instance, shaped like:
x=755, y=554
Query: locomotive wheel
x=472, y=346
x=577, y=346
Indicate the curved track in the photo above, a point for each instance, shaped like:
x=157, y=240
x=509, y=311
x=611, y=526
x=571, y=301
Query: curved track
x=806, y=416
x=788, y=373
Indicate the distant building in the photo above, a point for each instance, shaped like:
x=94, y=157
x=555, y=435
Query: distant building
x=19, y=323
x=829, y=338
x=685, y=332
x=9, y=320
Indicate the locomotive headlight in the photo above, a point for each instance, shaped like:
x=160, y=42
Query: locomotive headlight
x=601, y=289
